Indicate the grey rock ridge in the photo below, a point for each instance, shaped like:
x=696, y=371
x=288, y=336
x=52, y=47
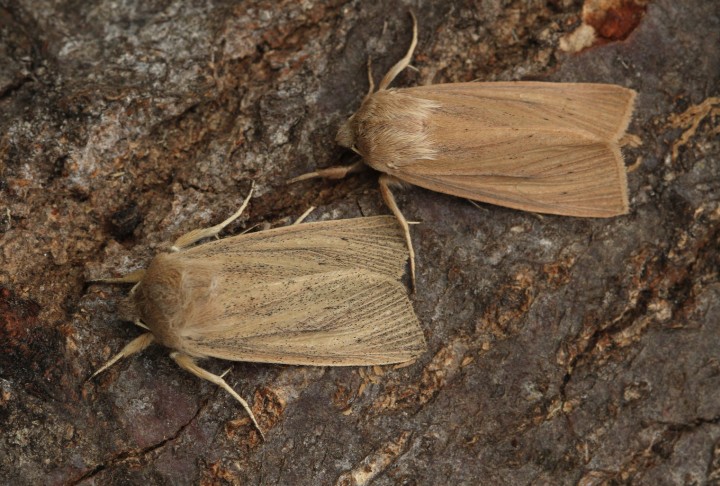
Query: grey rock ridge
x=561, y=350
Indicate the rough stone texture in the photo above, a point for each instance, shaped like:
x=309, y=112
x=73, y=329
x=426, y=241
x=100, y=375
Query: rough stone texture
x=561, y=350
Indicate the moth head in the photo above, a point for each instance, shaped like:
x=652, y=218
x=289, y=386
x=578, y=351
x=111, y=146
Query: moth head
x=346, y=134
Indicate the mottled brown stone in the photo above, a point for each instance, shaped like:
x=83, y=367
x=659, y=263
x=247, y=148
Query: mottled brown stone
x=561, y=350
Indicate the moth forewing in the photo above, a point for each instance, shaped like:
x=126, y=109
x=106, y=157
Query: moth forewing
x=342, y=317
x=601, y=109
x=326, y=293
x=544, y=147
x=318, y=293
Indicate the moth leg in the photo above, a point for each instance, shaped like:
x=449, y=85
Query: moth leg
x=188, y=363
x=140, y=323
x=402, y=63
x=135, y=346
x=132, y=277
x=303, y=216
x=337, y=172
x=195, y=235
x=385, y=182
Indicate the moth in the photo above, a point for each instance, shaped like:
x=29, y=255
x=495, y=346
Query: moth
x=544, y=147
x=324, y=294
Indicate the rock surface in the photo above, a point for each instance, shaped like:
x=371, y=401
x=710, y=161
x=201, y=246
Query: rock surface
x=561, y=350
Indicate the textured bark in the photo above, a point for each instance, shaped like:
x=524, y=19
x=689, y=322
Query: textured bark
x=561, y=350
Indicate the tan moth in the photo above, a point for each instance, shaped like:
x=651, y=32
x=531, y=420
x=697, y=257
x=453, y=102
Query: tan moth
x=544, y=147
x=325, y=294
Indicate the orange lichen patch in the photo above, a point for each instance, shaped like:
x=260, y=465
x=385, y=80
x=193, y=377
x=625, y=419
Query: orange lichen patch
x=690, y=120
x=501, y=318
x=614, y=19
x=444, y=366
x=604, y=20
x=268, y=407
x=232, y=426
x=19, y=182
x=18, y=318
x=376, y=462
x=659, y=293
x=558, y=273
x=218, y=474
x=343, y=396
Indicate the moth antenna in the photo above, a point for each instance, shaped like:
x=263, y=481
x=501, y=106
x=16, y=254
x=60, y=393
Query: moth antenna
x=385, y=182
x=337, y=172
x=371, y=81
x=135, y=346
x=304, y=215
x=404, y=62
x=196, y=235
x=132, y=277
x=187, y=363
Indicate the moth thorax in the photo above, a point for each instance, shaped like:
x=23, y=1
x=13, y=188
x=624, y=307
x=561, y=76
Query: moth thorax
x=160, y=300
x=392, y=127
